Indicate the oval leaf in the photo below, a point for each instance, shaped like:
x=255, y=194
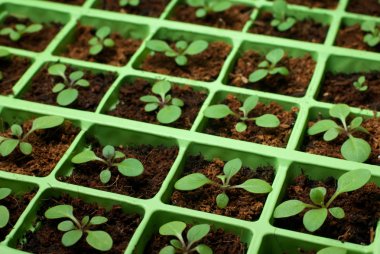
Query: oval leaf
x=218, y=111
x=72, y=237
x=317, y=195
x=314, y=219
x=340, y=111
x=99, y=240
x=105, y=176
x=85, y=156
x=68, y=96
x=130, y=167
x=289, y=208
x=5, y=192
x=322, y=126
x=8, y=146
x=256, y=186
x=59, y=211
x=66, y=225
x=26, y=148
x=173, y=228
x=222, y=200
x=337, y=212
x=232, y=167
x=167, y=250
x=192, y=182
x=4, y=216
x=356, y=149
x=258, y=75
x=97, y=220
x=169, y=114
x=353, y=180
x=197, y=232
x=47, y=122
x=196, y=47
x=268, y=121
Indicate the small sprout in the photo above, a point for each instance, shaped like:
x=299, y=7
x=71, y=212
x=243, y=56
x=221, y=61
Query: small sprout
x=209, y=6
x=179, y=245
x=67, y=93
x=19, y=30
x=181, y=50
x=372, y=38
x=280, y=19
x=124, y=3
x=353, y=149
x=127, y=167
x=3, y=54
x=231, y=168
x=332, y=250
x=8, y=145
x=221, y=111
x=74, y=229
x=101, y=40
x=268, y=66
x=169, y=108
x=360, y=84
x=4, y=212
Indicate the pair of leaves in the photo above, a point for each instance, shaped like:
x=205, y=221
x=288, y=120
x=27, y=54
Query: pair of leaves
x=281, y=21
x=100, y=40
x=4, y=212
x=360, y=84
x=19, y=30
x=373, y=36
x=207, y=6
x=124, y=3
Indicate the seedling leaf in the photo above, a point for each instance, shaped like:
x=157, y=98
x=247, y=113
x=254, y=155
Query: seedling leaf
x=197, y=232
x=314, y=219
x=222, y=200
x=99, y=240
x=289, y=208
x=192, y=182
x=353, y=180
x=257, y=186
x=218, y=111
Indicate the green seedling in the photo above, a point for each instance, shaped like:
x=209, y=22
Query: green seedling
x=317, y=212
x=124, y=3
x=101, y=40
x=372, y=38
x=4, y=212
x=179, y=245
x=169, y=108
x=280, y=18
x=231, y=168
x=181, y=51
x=75, y=229
x=111, y=158
x=269, y=66
x=353, y=149
x=67, y=91
x=360, y=84
x=19, y=139
x=221, y=111
x=206, y=7
x=19, y=30
x=3, y=54
x=332, y=250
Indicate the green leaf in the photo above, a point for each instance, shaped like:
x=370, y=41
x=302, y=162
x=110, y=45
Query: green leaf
x=322, y=126
x=178, y=102
x=196, y=47
x=356, y=122
x=161, y=87
x=173, y=228
x=67, y=96
x=203, y=249
x=331, y=134
x=275, y=55
x=4, y=53
x=4, y=216
x=169, y=114
x=289, y=208
x=181, y=45
x=317, y=195
x=103, y=32
x=82, y=83
x=15, y=36
x=108, y=152
x=181, y=60
x=287, y=24
x=232, y=167
x=8, y=146
x=337, y=212
x=281, y=70
x=85, y=220
x=356, y=149
x=177, y=244
x=33, y=28
x=149, y=98
x=250, y=103
x=368, y=26
x=340, y=111
x=99, y=240
x=241, y=126
x=74, y=76
x=222, y=200
x=167, y=250
x=57, y=70
x=108, y=43
x=353, y=180
x=58, y=87
x=314, y=219
x=66, y=225
x=16, y=130
x=96, y=49
x=197, y=232
x=151, y=107
x=219, y=6
x=258, y=75
x=85, y=156
x=192, y=182
x=97, y=220
x=47, y=122
x=158, y=46
x=59, y=211
x=200, y=13
x=257, y=186
x=332, y=250
x=130, y=167
x=26, y=148
x=268, y=121
x=4, y=192
x=105, y=176
x=93, y=41
x=218, y=111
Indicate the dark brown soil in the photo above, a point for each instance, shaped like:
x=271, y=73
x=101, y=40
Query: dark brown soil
x=295, y=84
x=152, y=8
x=12, y=69
x=369, y=7
x=117, y=55
x=328, y=4
x=277, y=137
x=339, y=88
x=47, y=239
x=73, y=2
x=243, y=205
x=362, y=208
x=303, y=30
x=352, y=37
x=157, y=162
x=131, y=107
x=40, y=89
x=205, y=66
x=48, y=148
x=233, y=18
x=35, y=41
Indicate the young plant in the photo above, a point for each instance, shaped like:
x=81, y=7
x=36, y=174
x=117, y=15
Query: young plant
x=353, y=149
x=124, y=3
x=19, y=30
x=181, y=51
x=332, y=250
x=317, y=212
x=20, y=139
x=180, y=245
x=101, y=40
x=4, y=212
x=221, y=111
x=230, y=169
x=127, y=167
x=372, y=38
x=206, y=7
x=169, y=108
x=280, y=18
x=3, y=54
x=74, y=229
x=360, y=84
x=269, y=66
x=67, y=92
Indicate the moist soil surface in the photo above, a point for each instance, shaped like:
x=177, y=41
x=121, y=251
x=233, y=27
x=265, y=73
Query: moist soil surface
x=303, y=30
x=117, y=55
x=369, y=7
x=40, y=89
x=362, y=209
x=295, y=84
x=243, y=205
x=352, y=37
x=157, y=162
x=30, y=41
x=152, y=8
x=73, y=2
x=329, y=4
x=12, y=68
x=131, y=107
x=234, y=18
x=205, y=66
x=48, y=148
x=277, y=137
x=47, y=239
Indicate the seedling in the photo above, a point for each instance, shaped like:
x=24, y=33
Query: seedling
x=280, y=18
x=353, y=149
x=4, y=212
x=221, y=111
x=74, y=229
x=101, y=40
x=181, y=51
x=19, y=139
x=67, y=92
x=332, y=250
x=317, y=212
x=269, y=66
x=206, y=7
x=169, y=108
x=124, y=3
x=360, y=84
x=3, y=54
x=127, y=167
x=230, y=169
x=372, y=38
x=19, y=30
x=179, y=245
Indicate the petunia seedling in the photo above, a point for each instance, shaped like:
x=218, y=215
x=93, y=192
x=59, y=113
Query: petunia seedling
x=281, y=20
x=15, y=33
x=124, y=3
x=181, y=50
x=75, y=229
x=67, y=91
x=230, y=169
x=206, y=7
x=20, y=139
x=269, y=66
x=360, y=84
x=101, y=40
x=3, y=54
x=180, y=245
x=4, y=212
x=169, y=108
x=372, y=38
x=111, y=158
x=332, y=250
x=353, y=149
x=220, y=111
x=317, y=212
